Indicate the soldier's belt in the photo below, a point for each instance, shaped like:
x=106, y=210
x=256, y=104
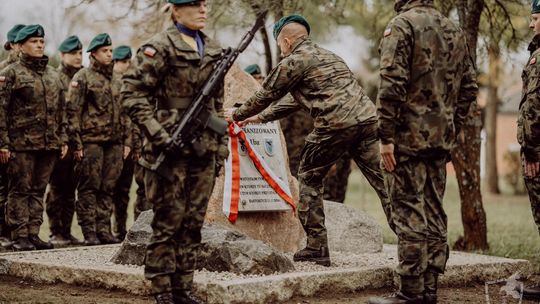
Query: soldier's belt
x=176, y=103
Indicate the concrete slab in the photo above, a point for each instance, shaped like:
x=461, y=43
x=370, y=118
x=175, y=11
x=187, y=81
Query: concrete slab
x=90, y=266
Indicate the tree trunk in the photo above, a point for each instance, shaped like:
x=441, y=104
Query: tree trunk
x=267, y=51
x=492, y=105
x=466, y=155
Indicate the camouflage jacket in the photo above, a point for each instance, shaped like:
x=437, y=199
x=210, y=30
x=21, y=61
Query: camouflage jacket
x=94, y=116
x=12, y=58
x=66, y=74
x=320, y=83
x=125, y=121
x=162, y=82
x=428, y=81
x=529, y=107
x=31, y=99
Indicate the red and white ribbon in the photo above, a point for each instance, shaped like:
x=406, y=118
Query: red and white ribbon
x=231, y=197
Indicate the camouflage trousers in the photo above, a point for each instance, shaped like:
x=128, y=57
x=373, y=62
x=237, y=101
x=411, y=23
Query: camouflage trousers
x=141, y=203
x=416, y=188
x=533, y=187
x=295, y=129
x=361, y=142
x=28, y=174
x=121, y=195
x=97, y=174
x=179, y=210
x=60, y=203
x=4, y=231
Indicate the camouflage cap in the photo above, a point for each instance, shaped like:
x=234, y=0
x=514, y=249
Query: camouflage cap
x=72, y=43
x=11, y=35
x=100, y=40
x=253, y=69
x=289, y=19
x=121, y=53
x=29, y=31
x=535, y=7
x=183, y=2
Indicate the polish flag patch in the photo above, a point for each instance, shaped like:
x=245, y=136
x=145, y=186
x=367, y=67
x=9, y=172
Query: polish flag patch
x=74, y=84
x=2, y=78
x=388, y=32
x=150, y=51
x=533, y=60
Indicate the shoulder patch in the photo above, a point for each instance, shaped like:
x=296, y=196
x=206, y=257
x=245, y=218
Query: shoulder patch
x=149, y=51
x=74, y=84
x=2, y=78
x=387, y=32
x=533, y=61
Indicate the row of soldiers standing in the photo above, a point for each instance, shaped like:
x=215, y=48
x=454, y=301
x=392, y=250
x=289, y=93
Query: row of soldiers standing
x=64, y=127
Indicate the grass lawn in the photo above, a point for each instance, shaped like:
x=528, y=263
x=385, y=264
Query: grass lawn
x=512, y=232
x=511, y=229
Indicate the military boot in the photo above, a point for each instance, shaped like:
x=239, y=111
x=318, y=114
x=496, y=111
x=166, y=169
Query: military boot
x=40, y=244
x=5, y=242
x=107, y=238
x=184, y=297
x=319, y=256
x=397, y=298
x=59, y=240
x=23, y=244
x=73, y=240
x=531, y=293
x=90, y=239
x=430, y=287
x=164, y=298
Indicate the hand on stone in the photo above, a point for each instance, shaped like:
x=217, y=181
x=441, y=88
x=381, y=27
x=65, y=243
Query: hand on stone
x=5, y=154
x=387, y=157
x=252, y=120
x=229, y=114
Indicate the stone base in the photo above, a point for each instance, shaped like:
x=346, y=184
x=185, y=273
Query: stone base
x=90, y=266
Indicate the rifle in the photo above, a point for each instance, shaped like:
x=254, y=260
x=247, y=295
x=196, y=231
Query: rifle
x=196, y=117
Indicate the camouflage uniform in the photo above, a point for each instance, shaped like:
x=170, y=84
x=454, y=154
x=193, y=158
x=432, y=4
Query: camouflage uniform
x=96, y=127
x=141, y=203
x=295, y=129
x=156, y=90
x=529, y=123
x=344, y=121
x=4, y=231
x=123, y=184
x=32, y=127
x=60, y=204
x=428, y=83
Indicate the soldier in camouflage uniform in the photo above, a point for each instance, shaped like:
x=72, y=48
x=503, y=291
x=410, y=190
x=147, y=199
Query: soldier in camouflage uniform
x=60, y=204
x=141, y=203
x=529, y=127
x=97, y=132
x=344, y=119
x=428, y=83
x=162, y=83
x=122, y=61
x=32, y=135
x=13, y=49
x=295, y=128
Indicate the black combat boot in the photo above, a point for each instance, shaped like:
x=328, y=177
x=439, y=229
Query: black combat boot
x=90, y=239
x=107, y=238
x=164, y=298
x=59, y=240
x=23, y=244
x=40, y=244
x=430, y=287
x=319, y=256
x=182, y=296
x=73, y=240
x=397, y=298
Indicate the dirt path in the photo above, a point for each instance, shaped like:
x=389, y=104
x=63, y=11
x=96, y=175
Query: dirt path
x=15, y=290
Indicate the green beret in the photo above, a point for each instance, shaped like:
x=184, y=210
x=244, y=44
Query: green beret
x=253, y=69
x=535, y=7
x=11, y=35
x=100, y=40
x=72, y=43
x=289, y=19
x=182, y=2
x=29, y=31
x=122, y=52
